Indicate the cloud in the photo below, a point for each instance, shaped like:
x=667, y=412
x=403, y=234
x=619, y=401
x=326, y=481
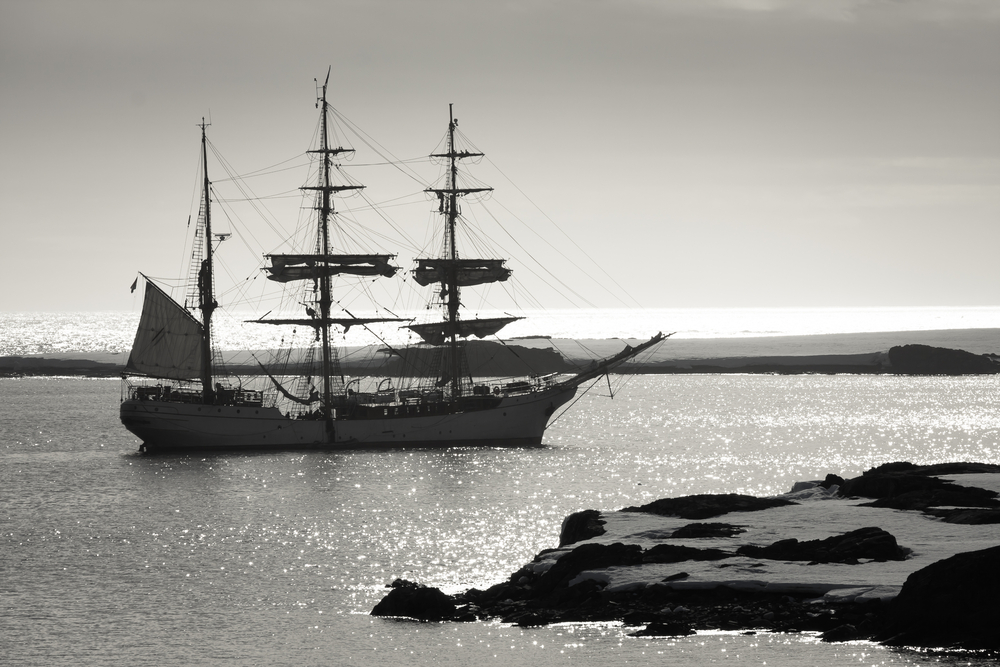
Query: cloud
x=841, y=10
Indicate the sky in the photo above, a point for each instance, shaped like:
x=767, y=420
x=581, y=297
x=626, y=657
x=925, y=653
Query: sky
x=699, y=153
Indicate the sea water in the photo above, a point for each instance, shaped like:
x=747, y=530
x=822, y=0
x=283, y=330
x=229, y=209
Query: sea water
x=113, y=332
x=110, y=557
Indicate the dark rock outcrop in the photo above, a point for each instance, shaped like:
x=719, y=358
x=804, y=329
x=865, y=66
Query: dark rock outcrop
x=590, y=556
x=950, y=603
x=674, y=553
x=907, y=486
x=968, y=517
x=832, y=480
x=415, y=601
x=581, y=526
x=706, y=506
x=927, y=360
x=706, y=530
x=666, y=611
x=869, y=543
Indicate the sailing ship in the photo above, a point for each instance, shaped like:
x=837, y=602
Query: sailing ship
x=176, y=397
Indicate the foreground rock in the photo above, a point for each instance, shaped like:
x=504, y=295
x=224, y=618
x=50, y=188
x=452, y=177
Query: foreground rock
x=646, y=567
x=659, y=610
x=415, y=601
x=951, y=603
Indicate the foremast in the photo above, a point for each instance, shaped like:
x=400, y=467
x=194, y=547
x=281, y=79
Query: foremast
x=170, y=341
x=206, y=280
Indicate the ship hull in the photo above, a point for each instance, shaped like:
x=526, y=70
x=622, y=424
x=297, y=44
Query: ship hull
x=169, y=426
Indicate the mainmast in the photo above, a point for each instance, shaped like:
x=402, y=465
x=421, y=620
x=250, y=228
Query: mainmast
x=454, y=297
x=326, y=189
x=206, y=281
x=324, y=262
x=450, y=275
x=325, y=209
x=454, y=272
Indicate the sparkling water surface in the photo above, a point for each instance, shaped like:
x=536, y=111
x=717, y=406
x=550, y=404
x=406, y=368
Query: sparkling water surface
x=109, y=557
x=113, y=332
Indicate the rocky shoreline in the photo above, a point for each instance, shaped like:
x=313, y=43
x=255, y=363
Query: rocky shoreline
x=758, y=586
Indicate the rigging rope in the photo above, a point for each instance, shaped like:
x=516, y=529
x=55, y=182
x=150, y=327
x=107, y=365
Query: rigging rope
x=561, y=231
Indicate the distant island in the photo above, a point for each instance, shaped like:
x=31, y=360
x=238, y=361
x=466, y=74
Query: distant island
x=960, y=352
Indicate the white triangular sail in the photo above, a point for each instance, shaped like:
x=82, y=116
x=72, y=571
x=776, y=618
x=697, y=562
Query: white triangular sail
x=168, y=340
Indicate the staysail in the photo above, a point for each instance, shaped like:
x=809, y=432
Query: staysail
x=168, y=340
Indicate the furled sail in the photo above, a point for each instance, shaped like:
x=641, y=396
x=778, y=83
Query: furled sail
x=436, y=333
x=467, y=271
x=286, y=268
x=168, y=340
x=346, y=322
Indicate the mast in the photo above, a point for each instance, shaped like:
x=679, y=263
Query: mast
x=323, y=263
x=452, y=272
x=454, y=298
x=324, y=239
x=206, y=281
x=326, y=264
